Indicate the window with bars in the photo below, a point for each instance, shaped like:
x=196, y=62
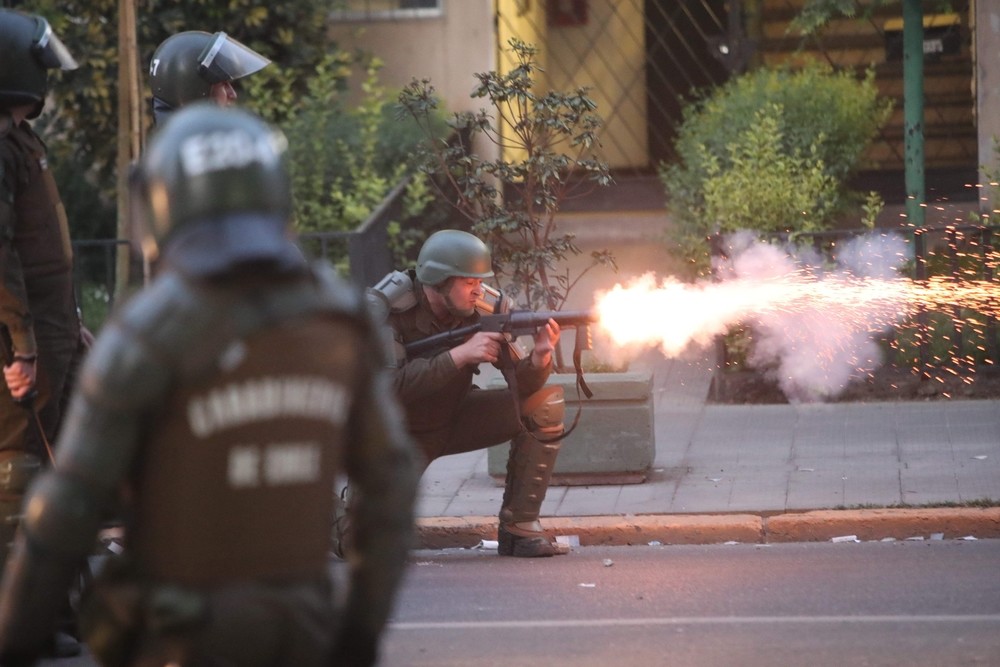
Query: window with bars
x=369, y=10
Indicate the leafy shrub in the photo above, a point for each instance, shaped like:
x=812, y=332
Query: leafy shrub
x=771, y=151
x=344, y=161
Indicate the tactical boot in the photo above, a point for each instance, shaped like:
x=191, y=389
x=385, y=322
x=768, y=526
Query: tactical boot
x=529, y=469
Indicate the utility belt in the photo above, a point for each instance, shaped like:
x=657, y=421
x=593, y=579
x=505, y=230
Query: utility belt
x=121, y=610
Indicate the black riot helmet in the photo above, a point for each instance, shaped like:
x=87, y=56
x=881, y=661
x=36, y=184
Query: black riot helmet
x=185, y=66
x=28, y=49
x=212, y=192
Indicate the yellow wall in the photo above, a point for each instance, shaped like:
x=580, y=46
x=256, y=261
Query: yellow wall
x=448, y=50
x=608, y=56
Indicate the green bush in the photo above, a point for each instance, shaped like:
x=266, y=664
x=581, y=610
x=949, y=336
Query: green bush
x=770, y=151
x=343, y=161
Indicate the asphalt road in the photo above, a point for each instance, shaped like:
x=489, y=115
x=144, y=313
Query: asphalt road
x=931, y=603
x=903, y=603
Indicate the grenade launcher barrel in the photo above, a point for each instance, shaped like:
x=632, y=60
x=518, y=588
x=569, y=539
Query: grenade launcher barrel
x=513, y=324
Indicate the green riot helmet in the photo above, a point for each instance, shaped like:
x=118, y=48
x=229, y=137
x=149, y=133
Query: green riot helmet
x=185, y=66
x=450, y=253
x=212, y=192
x=28, y=49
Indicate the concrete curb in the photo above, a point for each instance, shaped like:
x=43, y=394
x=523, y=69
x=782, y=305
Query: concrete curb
x=813, y=526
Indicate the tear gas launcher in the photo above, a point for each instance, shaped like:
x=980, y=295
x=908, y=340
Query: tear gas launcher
x=513, y=323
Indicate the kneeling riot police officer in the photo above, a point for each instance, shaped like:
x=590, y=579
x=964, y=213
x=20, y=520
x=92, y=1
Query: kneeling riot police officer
x=445, y=412
x=214, y=413
x=194, y=65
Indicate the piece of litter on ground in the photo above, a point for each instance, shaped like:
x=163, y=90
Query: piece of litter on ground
x=731, y=542
x=937, y=536
x=656, y=543
x=981, y=457
x=487, y=544
x=568, y=540
x=845, y=538
x=715, y=479
x=888, y=539
x=588, y=585
x=915, y=538
x=970, y=538
x=608, y=562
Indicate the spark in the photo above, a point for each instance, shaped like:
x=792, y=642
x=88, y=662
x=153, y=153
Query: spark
x=812, y=330
x=673, y=314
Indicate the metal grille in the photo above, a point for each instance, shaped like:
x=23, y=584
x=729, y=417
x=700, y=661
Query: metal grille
x=690, y=45
x=678, y=40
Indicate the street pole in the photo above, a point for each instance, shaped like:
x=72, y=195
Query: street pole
x=913, y=109
x=129, y=133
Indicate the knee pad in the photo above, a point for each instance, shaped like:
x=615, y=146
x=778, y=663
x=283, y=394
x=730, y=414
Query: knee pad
x=544, y=409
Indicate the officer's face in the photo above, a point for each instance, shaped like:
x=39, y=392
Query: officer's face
x=223, y=94
x=463, y=294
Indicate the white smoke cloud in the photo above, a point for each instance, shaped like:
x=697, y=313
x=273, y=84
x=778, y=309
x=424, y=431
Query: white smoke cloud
x=815, y=350
x=813, y=322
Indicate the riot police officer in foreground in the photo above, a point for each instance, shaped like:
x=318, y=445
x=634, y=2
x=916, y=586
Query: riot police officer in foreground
x=445, y=413
x=38, y=317
x=214, y=412
x=194, y=65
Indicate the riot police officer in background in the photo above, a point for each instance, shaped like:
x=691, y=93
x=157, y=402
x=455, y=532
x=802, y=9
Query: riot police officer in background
x=196, y=65
x=444, y=411
x=39, y=326
x=218, y=407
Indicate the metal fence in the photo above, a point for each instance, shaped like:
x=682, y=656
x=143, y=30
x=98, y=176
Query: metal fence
x=689, y=46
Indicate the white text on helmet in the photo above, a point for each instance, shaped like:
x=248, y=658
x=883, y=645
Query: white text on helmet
x=226, y=149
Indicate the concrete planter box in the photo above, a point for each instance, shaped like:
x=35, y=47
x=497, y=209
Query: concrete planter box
x=613, y=443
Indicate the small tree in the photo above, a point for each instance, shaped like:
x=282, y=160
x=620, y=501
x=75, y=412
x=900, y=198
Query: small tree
x=547, y=142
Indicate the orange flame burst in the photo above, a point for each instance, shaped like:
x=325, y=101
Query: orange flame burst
x=672, y=314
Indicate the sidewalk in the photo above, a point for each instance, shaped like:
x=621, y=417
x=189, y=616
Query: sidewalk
x=753, y=472
x=753, y=462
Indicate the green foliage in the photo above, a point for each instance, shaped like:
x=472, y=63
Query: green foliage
x=343, y=161
x=549, y=142
x=797, y=193
x=770, y=151
x=83, y=132
x=817, y=13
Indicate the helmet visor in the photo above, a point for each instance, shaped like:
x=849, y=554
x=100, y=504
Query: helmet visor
x=225, y=59
x=49, y=49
